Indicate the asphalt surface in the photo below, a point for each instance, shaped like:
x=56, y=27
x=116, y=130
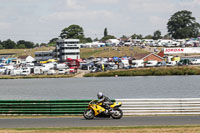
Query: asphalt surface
x=98, y=122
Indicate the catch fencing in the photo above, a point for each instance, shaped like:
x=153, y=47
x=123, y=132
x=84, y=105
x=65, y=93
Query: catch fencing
x=180, y=106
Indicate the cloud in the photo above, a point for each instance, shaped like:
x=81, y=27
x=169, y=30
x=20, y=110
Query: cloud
x=126, y=17
x=5, y=26
x=150, y=6
x=190, y=3
x=155, y=20
x=104, y=1
x=79, y=15
x=73, y=4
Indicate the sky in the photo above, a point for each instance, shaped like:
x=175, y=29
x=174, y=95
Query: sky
x=41, y=20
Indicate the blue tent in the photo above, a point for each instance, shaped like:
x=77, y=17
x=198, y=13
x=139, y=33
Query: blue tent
x=116, y=58
x=9, y=60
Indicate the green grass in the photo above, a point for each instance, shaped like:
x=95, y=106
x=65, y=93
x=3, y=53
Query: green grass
x=24, y=52
x=148, y=72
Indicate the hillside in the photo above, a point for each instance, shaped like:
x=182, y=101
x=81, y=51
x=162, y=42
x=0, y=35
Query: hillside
x=111, y=52
x=85, y=52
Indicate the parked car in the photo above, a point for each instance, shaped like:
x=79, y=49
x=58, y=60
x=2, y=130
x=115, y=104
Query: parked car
x=51, y=72
x=61, y=71
x=195, y=61
x=137, y=63
x=171, y=63
x=151, y=63
x=159, y=64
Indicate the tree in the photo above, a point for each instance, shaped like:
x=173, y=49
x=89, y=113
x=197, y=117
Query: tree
x=21, y=46
x=148, y=37
x=43, y=45
x=182, y=25
x=107, y=38
x=135, y=36
x=52, y=42
x=8, y=44
x=72, y=32
x=1, y=45
x=27, y=44
x=157, y=35
x=87, y=40
x=123, y=36
x=167, y=36
x=96, y=39
x=105, y=32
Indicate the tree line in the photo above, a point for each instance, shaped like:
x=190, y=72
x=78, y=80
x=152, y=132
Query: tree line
x=21, y=44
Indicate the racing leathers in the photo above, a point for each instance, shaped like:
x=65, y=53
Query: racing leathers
x=105, y=102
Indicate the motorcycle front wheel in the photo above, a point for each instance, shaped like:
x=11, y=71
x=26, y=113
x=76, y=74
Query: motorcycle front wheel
x=88, y=114
x=117, y=113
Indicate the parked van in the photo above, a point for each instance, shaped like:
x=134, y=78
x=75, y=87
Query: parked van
x=15, y=72
x=2, y=70
x=125, y=63
x=25, y=71
x=37, y=70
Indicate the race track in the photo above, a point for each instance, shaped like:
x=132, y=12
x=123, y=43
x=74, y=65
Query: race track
x=97, y=122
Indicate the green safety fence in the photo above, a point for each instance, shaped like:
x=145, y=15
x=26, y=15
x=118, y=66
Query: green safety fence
x=43, y=107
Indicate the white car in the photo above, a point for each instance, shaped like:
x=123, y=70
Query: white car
x=195, y=61
x=51, y=72
x=171, y=63
x=61, y=71
x=137, y=63
x=151, y=63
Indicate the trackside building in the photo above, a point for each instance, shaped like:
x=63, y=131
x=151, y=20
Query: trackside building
x=67, y=48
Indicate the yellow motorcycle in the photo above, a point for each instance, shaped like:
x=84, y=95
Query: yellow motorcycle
x=96, y=110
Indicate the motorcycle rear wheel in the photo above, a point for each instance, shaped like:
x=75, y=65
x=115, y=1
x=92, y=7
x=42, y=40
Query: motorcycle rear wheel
x=88, y=114
x=117, y=114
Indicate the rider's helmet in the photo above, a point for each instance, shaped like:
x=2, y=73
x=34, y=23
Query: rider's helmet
x=99, y=95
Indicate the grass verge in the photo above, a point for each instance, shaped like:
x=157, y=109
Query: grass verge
x=137, y=129
x=160, y=71
x=35, y=76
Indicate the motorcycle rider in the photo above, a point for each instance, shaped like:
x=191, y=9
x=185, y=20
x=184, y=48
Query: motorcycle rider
x=104, y=100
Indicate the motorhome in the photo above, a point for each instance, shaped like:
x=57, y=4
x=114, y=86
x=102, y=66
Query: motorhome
x=125, y=63
x=166, y=43
x=15, y=72
x=37, y=70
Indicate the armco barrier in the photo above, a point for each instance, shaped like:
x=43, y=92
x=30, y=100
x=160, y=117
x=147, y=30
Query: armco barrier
x=76, y=107
x=43, y=107
x=160, y=106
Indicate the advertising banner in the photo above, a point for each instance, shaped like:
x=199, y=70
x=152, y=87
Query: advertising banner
x=181, y=50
